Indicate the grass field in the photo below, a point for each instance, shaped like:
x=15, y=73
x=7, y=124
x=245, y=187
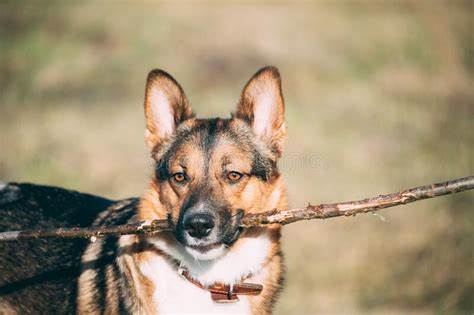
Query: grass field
x=379, y=97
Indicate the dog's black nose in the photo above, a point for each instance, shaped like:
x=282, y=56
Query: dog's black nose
x=199, y=225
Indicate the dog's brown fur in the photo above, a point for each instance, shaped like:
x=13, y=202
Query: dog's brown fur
x=223, y=167
x=250, y=142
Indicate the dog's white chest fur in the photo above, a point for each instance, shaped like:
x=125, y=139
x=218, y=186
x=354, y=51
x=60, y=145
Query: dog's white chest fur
x=176, y=295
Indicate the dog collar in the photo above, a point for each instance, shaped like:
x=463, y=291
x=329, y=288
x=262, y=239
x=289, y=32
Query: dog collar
x=224, y=293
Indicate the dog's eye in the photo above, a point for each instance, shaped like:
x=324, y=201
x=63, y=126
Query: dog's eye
x=179, y=177
x=234, y=176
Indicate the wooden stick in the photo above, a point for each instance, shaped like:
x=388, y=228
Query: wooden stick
x=351, y=208
x=310, y=212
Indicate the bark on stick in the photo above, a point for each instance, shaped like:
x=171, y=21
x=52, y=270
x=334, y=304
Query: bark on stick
x=310, y=212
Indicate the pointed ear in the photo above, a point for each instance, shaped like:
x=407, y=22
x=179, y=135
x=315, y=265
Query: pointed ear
x=261, y=105
x=166, y=106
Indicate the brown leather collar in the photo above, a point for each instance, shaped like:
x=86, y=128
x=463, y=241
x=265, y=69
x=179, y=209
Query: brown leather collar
x=223, y=293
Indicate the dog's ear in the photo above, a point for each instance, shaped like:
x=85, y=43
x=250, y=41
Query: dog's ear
x=261, y=105
x=166, y=106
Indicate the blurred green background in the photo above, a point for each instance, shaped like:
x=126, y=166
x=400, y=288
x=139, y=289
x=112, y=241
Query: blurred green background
x=379, y=97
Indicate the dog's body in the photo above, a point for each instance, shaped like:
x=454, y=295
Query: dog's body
x=209, y=172
x=39, y=276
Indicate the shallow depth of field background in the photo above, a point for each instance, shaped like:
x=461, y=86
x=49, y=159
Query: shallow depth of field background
x=379, y=97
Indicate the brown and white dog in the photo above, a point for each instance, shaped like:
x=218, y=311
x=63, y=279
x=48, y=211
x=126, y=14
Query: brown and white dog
x=208, y=173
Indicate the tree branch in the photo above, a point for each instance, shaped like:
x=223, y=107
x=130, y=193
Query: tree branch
x=351, y=208
x=322, y=211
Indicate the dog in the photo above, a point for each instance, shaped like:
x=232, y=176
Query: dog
x=208, y=173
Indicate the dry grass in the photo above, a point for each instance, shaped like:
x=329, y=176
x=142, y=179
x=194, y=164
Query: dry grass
x=379, y=97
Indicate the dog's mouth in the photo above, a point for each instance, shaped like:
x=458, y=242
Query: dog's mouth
x=206, y=252
x=211, y=246
x=226, y=243
x=205, y=248
x=234, y=237
x=214, y=249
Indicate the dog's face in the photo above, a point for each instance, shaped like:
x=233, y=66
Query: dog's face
x=210, y=172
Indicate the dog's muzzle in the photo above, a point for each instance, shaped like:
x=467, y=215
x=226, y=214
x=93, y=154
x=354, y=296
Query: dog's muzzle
x=204, y=229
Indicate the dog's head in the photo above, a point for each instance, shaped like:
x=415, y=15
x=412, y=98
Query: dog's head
x=210, y=172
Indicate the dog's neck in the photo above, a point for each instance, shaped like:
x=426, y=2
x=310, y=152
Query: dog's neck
x=246, y=257
x=160, y=288
x=255, y=256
